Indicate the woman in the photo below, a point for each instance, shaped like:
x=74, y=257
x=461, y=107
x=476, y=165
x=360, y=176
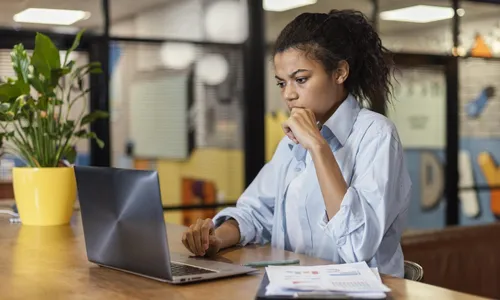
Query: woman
x=337, y=186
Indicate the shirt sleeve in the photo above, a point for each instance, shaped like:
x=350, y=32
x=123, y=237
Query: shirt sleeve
x=378, y=193
x=254, y=210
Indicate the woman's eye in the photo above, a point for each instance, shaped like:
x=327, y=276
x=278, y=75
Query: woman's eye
x=280, y=84
x=301, y=80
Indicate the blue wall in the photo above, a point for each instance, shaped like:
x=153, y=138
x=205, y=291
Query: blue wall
x=82, y=159
x=435, y=218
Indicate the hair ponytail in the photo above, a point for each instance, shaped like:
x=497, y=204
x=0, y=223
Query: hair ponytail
x=344, y=35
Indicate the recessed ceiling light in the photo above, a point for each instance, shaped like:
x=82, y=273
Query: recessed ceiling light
x=50, y=16
x=419, y=14
x=282, y=5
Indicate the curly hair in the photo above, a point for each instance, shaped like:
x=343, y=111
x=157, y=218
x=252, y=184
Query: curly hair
x=343, y=35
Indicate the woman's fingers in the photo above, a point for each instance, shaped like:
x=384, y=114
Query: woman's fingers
x=205, y=232
x=190, y=239
x=288, y=131
x=197, y=237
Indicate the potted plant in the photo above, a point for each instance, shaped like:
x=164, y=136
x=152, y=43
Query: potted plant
x=36, y=127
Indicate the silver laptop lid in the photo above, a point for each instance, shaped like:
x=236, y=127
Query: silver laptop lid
x=123, y=222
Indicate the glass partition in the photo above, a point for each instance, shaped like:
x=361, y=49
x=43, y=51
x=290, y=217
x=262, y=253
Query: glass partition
x=414, y=26
x=176, y=106
x=419, y=112
x=479, y=141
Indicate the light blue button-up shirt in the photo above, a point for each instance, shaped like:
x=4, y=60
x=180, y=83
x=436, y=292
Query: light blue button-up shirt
x=373, y=212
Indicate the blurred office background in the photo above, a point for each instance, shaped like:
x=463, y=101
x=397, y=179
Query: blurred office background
x=191, y=93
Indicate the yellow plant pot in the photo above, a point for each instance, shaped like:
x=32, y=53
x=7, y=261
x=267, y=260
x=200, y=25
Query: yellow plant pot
x=44, y=196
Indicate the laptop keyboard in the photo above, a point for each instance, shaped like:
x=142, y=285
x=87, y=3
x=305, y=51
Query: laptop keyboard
x=182, y=270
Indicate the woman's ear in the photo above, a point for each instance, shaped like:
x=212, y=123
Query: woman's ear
x=342, y=72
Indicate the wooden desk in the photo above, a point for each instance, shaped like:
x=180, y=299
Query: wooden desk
x=51, y=263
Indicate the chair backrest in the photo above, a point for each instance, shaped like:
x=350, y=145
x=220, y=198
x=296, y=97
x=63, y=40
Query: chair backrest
x=413, y=271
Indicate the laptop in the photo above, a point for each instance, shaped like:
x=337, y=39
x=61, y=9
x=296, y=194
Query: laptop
x=124, y=228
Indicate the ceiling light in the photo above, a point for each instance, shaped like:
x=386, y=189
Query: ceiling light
x=212, y=69
x=418, y=14
x=50, y=16
x=282, y=5
x=460, y=12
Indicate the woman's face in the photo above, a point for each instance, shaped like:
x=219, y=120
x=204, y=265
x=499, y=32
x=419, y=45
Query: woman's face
x=304, y=83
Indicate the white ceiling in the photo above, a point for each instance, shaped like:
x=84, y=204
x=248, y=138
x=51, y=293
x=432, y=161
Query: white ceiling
x=275, y=21
x=120, y=10
x=473, y=11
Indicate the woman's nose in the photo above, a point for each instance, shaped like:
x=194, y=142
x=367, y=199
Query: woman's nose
x=290, y=93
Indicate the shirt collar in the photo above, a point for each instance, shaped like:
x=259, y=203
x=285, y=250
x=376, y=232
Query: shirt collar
x=341, y=122
x=338, y=126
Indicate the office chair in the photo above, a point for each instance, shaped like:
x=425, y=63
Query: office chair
x=413, y=271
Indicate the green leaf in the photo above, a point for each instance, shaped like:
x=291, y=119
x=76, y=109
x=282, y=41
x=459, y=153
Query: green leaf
x=70, y=154
x=98, y=114
x=2, y=135
x=81, y=133
x=92, y=68
x=42, y=103
x=36, y=83
x=24, y=87
x=67, y=128
x=99, y=142
x=56, y=75
x=76, y=42
x=29, y=107
x=4, y=107
x=96, y=69
x=7, y=116
x=21, y=63
x=9, y=91
x=90, y=135
x=17, y=105
x=70, y=65
x=45, y=56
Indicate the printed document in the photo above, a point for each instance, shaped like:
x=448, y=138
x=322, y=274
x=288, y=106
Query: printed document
x=355, y=279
